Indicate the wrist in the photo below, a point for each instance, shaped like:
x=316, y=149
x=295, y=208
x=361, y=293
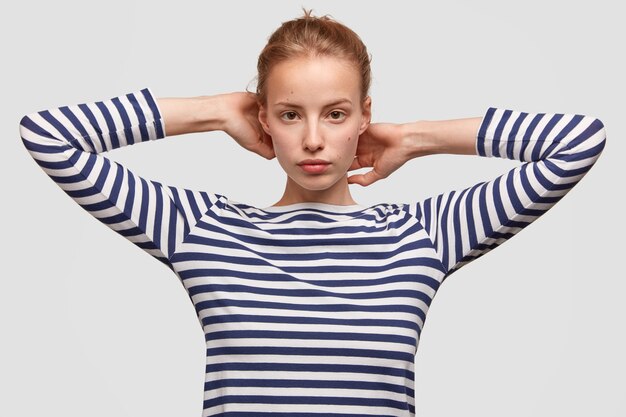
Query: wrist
x=420, y=139
x=191, y=114
x=456, y=136
x=211, y=114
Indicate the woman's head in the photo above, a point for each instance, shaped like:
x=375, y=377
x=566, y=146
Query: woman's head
x=314, y=76
x=310, y=36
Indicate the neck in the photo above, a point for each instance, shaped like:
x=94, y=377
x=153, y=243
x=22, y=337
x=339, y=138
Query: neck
x=337, y=194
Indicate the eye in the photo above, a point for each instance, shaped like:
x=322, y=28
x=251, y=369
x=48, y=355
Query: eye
x=289, y=115
x=337, y=115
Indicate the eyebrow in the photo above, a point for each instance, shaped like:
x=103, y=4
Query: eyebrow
x=333, y=103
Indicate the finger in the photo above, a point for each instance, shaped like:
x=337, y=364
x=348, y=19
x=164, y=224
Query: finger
x=358, y=163
x=357, y=179
x=267, y=139
x=265, y=151
x=366, y=179
x=266, y=146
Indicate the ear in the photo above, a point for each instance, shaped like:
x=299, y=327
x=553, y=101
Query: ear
x=263, y=119
x=366, y=114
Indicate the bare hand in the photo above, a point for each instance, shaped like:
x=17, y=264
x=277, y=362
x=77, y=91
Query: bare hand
x=242, y=123
x=384, y=147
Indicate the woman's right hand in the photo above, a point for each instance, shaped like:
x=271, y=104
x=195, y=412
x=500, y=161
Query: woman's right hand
x=234, y=113
x=241, y=122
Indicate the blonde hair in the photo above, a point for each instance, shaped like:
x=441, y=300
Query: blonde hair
x=310, y=36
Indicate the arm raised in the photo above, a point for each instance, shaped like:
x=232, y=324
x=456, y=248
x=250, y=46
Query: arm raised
x=557, y=150
x=67, y=143
x=234, y=113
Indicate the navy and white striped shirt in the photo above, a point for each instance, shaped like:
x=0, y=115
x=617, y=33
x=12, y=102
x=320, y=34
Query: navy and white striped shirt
x=310, y=309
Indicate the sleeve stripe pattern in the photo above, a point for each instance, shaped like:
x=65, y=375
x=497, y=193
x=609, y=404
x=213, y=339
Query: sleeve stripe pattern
x=557, y=151
x=66, y=142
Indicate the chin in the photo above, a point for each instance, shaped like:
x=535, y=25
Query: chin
x=318, y=183
x=315, y=185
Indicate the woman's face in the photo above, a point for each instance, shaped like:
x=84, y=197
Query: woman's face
x=314, y=116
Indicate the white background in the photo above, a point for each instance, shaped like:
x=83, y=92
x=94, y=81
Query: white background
x=92, y=326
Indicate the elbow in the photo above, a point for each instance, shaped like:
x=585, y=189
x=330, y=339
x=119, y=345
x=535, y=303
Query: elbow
x=599, y=134
x=25, y=122
x=36, y=138
x=596, y=140
x=600, y=131
x=589, y=142
x=33, y=137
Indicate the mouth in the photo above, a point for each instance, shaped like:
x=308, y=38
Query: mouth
x=314, y=166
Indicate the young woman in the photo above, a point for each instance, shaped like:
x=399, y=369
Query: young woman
x=312, y=306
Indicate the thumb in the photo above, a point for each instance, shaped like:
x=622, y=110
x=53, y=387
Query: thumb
x=364, y=180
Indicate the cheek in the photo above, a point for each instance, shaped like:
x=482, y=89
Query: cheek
x=284, y=149
x=280, y=138
x=346, y=141
x=281, y=146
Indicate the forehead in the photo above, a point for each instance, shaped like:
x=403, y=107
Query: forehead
x=313, y=79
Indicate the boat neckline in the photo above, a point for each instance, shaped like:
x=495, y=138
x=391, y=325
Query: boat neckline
x=314, y=205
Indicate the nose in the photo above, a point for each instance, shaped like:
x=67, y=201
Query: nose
x=313, y=139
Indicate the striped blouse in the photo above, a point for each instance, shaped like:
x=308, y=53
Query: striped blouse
x=309, y=309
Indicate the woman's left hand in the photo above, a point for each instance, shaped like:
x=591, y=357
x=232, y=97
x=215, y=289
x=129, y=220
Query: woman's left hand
x=383, y=146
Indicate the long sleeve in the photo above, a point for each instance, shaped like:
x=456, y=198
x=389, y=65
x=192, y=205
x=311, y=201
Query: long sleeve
x=66, y=143
x=557, y=150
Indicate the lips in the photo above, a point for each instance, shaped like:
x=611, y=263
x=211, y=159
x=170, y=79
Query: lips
x=314, y=166
x=313, y=162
